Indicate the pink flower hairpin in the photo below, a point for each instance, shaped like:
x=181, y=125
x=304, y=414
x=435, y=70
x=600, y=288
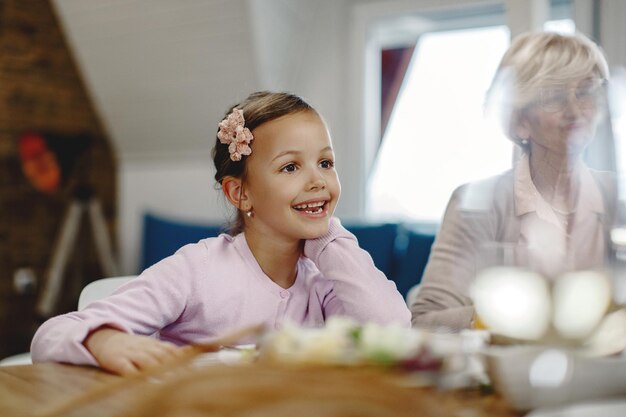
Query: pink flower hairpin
x=233, y=133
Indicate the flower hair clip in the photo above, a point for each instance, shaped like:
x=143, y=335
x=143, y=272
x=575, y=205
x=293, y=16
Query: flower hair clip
x=233, y=133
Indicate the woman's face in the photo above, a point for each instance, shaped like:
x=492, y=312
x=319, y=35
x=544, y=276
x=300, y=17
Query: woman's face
x=564, y=117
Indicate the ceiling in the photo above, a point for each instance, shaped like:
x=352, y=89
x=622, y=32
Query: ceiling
x=161, y=72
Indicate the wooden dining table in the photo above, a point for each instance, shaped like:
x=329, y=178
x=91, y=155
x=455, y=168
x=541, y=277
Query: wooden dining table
x=51, y=389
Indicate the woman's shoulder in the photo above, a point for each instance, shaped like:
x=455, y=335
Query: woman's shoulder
x=482, y=195
x=606, y=179
x=607, y=184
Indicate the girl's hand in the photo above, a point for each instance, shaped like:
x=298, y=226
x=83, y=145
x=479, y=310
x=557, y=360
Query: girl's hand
x=127, y=354
x=314, y=247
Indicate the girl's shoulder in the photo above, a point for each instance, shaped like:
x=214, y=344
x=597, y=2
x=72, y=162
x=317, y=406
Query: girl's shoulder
x=222, y=243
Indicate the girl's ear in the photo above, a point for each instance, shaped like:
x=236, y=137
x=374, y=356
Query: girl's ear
x=235, y=193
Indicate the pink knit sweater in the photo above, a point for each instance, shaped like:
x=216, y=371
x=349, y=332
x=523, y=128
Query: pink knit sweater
x=216, y=286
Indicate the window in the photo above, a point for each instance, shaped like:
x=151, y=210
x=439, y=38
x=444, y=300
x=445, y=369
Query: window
x=436, y=137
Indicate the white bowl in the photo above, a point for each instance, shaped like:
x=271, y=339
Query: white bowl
x=541, y=376
x=608, y=408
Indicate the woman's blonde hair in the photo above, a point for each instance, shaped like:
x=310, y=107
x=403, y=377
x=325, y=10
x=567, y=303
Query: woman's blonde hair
x=537, y=59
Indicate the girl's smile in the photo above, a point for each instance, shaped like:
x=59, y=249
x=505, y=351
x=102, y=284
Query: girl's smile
x=313, y=208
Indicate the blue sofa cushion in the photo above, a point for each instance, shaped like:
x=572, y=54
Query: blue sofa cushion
x=413, y=260
x=379, y=240
x=162, y=237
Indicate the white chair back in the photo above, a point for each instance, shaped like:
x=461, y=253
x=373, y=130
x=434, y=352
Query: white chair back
x=101, y=288
x=19, y=359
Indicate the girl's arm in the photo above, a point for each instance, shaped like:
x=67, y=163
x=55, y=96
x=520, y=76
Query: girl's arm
x=139, y=308
x=360, y=290
x=126, y=354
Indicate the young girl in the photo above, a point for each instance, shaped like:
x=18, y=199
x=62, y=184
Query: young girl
x=287, y=258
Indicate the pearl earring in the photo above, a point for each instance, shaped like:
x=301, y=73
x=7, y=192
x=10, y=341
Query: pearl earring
x=250, y=213
x=524, y=142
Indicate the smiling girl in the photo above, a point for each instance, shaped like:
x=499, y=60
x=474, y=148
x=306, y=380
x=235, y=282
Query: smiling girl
x=286, y=259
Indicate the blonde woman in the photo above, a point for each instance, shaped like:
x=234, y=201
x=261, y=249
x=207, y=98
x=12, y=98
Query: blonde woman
x=550, y=212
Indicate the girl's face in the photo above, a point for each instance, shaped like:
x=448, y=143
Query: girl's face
x=564, y=117
x=291, y=183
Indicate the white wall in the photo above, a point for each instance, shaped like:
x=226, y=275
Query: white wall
x=177, y=188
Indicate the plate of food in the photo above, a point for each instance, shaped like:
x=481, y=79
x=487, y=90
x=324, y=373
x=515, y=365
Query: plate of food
x=429, y=358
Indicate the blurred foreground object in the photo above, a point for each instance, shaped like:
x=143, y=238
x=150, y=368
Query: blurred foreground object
x=443, y=359
x=524, y=306
x=536, y=376
x=341, y=369
x=554, y=343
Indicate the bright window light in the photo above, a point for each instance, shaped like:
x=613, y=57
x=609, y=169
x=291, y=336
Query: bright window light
x=437, y=138
x=560, y=26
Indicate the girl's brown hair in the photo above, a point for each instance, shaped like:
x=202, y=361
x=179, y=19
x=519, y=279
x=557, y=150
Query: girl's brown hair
x=258, y=108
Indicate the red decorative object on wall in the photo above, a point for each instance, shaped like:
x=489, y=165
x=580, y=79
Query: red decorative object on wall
x=39, y=163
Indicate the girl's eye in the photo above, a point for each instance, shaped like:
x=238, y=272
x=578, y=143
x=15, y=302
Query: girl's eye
x=327, y=163
x=289, y=168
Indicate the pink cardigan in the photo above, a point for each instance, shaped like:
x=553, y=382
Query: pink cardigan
x=216, y=286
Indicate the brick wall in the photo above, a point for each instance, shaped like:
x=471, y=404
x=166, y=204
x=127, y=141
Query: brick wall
x=41, y=90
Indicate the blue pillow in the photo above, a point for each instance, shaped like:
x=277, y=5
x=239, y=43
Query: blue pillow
x=379, y=240
x=163, y=237
x=413, y=262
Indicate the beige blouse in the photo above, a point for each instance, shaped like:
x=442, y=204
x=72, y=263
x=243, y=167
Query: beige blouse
x=504, y=220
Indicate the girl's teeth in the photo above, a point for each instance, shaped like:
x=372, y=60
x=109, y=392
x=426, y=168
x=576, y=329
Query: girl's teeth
x=312, y=205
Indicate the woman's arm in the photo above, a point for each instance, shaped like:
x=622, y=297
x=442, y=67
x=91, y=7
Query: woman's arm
x=360, y=290
x=443, y=298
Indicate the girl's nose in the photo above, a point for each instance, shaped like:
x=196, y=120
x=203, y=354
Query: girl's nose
x=317, y=181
